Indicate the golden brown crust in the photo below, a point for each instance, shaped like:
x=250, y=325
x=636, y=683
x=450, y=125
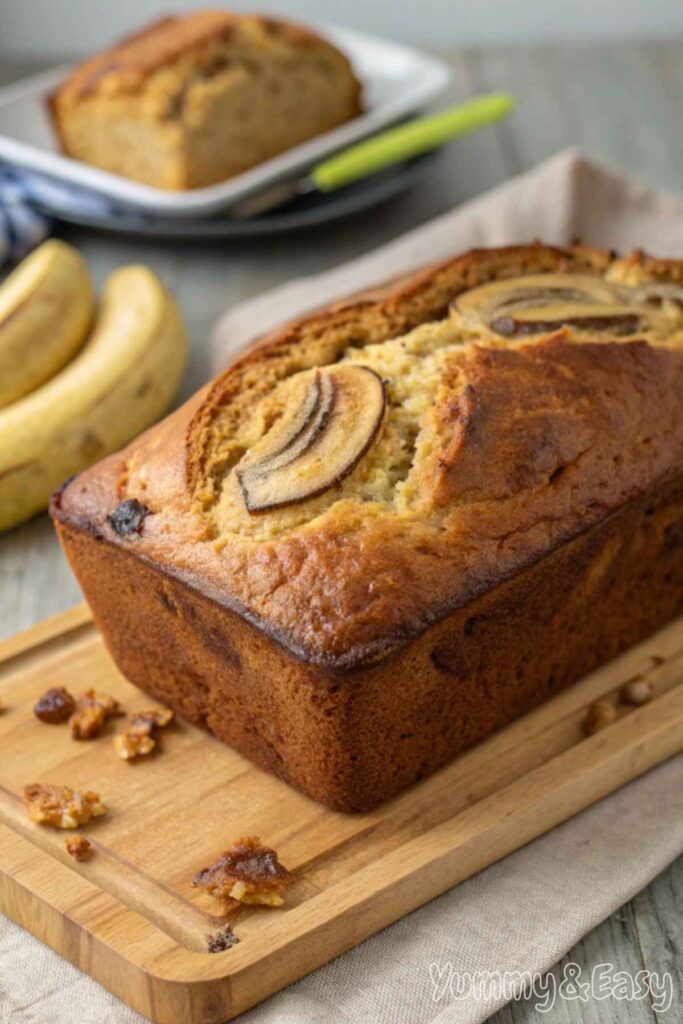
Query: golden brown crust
x=375, y=315
x=196, y=99
x=129, y=62
x=351, y=740
x=535, y=442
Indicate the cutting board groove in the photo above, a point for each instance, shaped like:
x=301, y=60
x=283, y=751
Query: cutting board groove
x=129, y=916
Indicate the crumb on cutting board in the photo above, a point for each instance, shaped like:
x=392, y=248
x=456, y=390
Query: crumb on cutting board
x=130, y=745
x=600, y=715
x=54, y=706
x=139, y=739
x=636, y=691
x=247, y=872
x=150, y=720
x=78, y=847
x=222, y=940
x=62, y=806
x=92, y=711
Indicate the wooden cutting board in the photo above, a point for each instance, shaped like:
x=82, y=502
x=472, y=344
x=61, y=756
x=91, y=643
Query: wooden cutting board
x=129, y=916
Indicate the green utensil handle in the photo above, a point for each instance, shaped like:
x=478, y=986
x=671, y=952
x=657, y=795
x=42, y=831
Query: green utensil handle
x=408, y=140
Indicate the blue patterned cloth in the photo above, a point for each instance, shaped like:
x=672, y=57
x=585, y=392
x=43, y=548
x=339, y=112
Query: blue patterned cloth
x=29, y=203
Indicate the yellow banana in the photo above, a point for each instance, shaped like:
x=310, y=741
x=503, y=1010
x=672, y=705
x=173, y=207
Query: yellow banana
x=120, y=383
x=46, y=307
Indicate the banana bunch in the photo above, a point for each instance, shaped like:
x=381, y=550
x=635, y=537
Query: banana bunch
x=70, y=395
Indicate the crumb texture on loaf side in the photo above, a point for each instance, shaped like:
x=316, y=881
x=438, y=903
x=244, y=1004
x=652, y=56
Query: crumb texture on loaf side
x=195, y=99
x=530, y=393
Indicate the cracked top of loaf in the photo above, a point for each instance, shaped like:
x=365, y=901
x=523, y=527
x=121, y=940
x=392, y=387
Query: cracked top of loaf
x=184, y=45
x=362, y=472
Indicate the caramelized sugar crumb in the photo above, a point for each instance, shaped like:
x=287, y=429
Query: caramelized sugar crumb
x=247, y=872
x=62, y=806
x=55, y=706
x=78, y=847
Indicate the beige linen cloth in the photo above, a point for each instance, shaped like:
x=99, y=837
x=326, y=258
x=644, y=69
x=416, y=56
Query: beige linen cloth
x=525, y=912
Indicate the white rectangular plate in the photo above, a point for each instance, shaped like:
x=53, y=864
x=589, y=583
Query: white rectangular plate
x=397, y=80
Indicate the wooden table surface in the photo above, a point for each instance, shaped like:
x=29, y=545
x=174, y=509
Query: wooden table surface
x=618, y=103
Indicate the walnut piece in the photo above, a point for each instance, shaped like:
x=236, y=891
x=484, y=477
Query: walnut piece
x=131, y=745
x=147, y=722
x=102, y=700
x=78, y=847
x=92, y=711
x=600, y=715
x=87, y=722
x=62, y=806
x=248, y=873
x=55, y=706
x=138, y=739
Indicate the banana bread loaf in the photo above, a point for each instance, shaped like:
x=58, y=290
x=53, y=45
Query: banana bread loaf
x=395, y=525
x=193, y=100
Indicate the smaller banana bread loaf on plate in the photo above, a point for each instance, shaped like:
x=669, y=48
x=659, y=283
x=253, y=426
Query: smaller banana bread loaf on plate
x=392, y=527
x=196, y=99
